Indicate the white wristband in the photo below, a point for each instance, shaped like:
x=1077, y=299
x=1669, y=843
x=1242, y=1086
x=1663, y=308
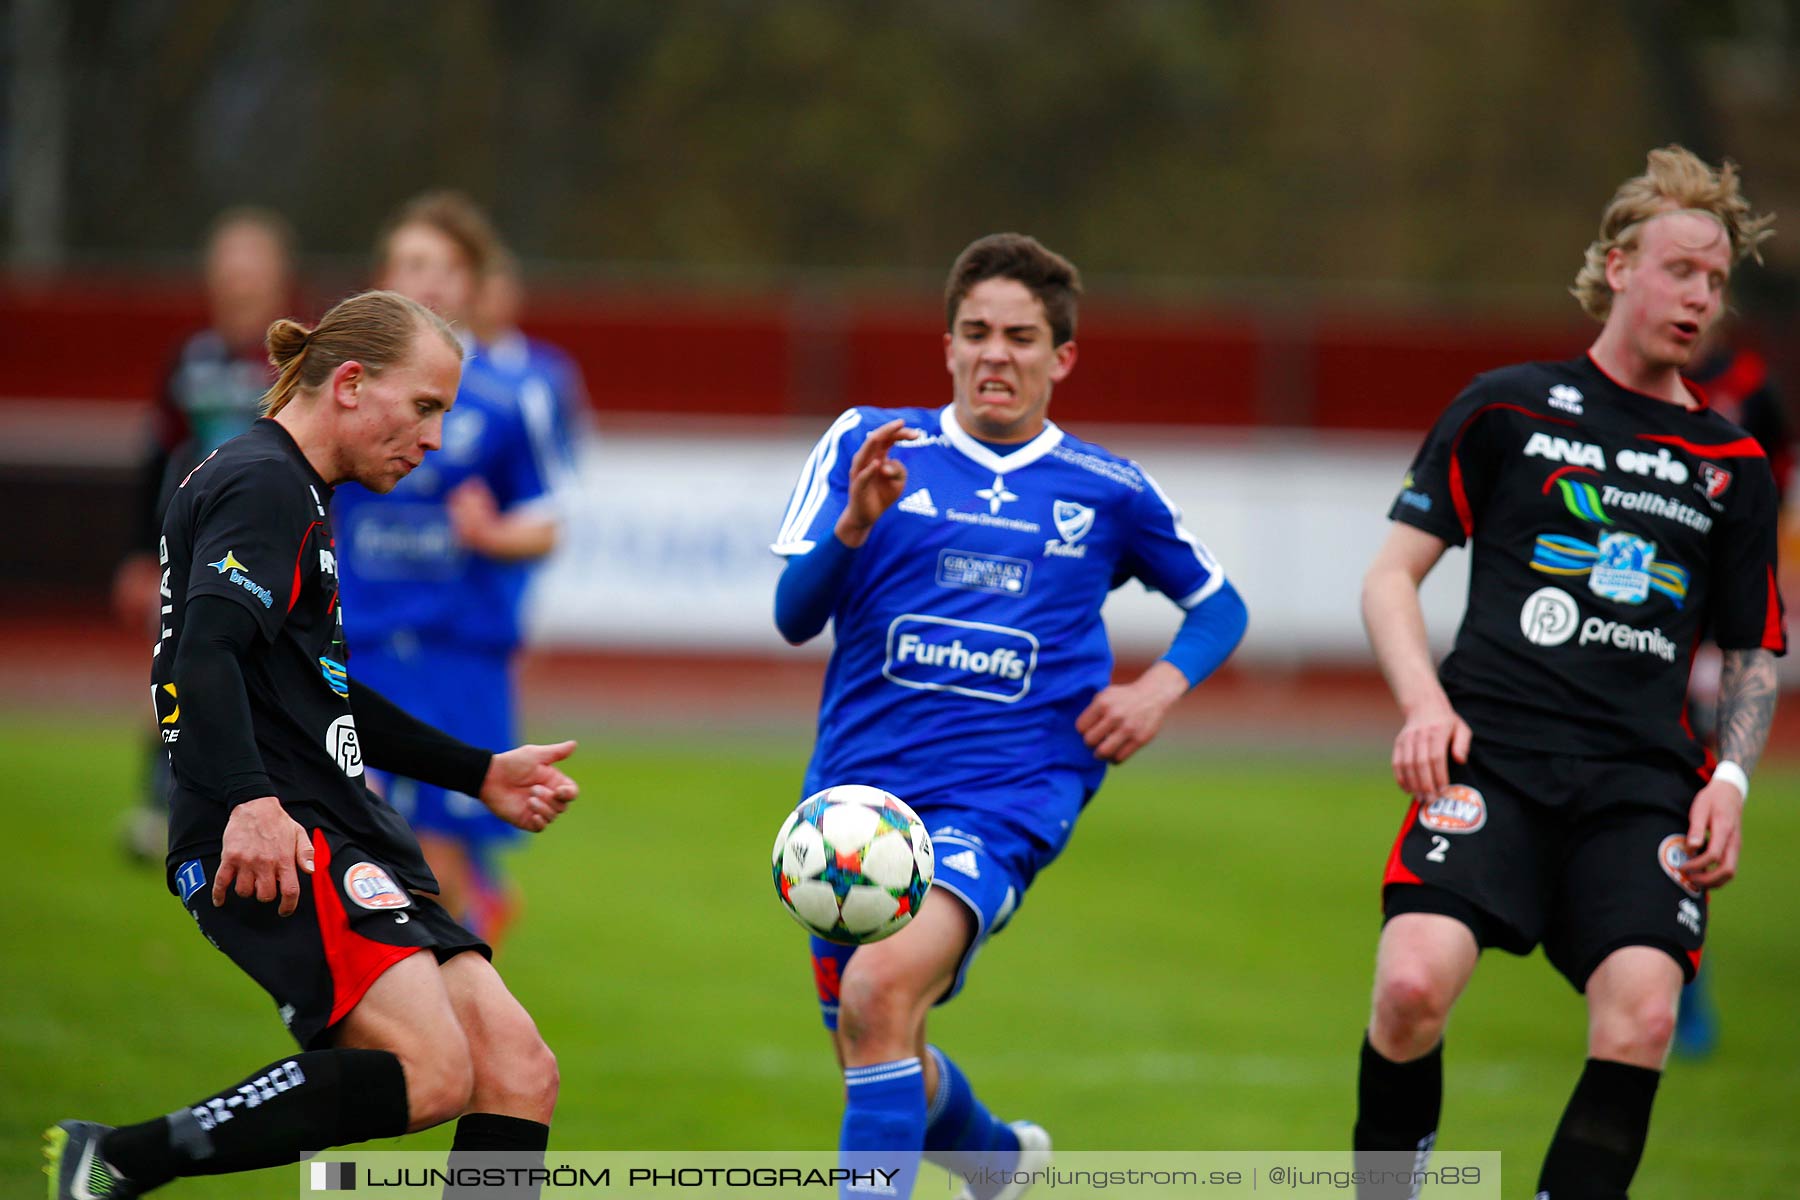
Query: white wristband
x=1730, y=772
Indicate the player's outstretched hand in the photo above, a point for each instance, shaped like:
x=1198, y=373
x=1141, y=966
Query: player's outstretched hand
x=876, y=481
x=524, y=788
x=1432, y=736
x=1122, y=719
x=262, y=853
x=1715, y=832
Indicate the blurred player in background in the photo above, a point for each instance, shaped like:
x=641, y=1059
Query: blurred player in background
x=435, y=571
x=281, y=854
x=1736, y=378
x=962, y=555
x=211, y=392
x=499, y=304
x=1558, y=793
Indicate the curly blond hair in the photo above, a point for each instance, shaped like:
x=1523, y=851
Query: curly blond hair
x=1675, y=179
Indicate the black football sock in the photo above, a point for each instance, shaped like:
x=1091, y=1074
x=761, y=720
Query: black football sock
x=1397, y=1106
x=480, y=1135
x=311, y=1101
x=1601, y=1136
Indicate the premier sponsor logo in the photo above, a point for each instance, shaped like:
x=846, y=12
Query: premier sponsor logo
x=969, y=658
x=344, y=746
x=976, y=572
x=1654, y=504
x=1549, y=617
x=1620, y=636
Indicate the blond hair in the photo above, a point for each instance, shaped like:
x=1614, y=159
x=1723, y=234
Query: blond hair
x=375, y=329
x=1675, y=179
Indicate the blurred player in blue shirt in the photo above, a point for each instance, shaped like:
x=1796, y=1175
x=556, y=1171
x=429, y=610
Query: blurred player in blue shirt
x=962, y=555
x=434, y=572
x=538, y=363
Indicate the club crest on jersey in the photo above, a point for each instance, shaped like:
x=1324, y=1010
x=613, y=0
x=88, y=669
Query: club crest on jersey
x=1713, y=480
x=1074, y=521
x=1672, y=856
x=371, y=887
x=1458, y=809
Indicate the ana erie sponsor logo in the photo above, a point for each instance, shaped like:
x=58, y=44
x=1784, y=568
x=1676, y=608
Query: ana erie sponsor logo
x=1458, y=809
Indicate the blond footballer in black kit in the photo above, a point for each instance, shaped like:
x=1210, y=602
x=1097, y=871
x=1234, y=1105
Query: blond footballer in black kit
x=1558, y=794
x=290, y=865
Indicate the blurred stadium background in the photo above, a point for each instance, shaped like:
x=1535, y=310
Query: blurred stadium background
x=1303, y=228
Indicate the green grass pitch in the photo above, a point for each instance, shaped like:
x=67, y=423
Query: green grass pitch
x=1194, y=972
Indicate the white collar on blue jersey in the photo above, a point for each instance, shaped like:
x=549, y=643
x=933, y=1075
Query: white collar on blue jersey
x=1000, y=464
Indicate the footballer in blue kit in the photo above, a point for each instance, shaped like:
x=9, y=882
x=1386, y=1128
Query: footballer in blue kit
x=434, y=572
x=962, y=556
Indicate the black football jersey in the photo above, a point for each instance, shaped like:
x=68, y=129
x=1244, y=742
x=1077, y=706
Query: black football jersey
x=1612, y=531
x=252, y=523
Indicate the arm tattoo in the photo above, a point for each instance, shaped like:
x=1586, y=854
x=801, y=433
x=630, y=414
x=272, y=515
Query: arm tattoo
x=1746, y=705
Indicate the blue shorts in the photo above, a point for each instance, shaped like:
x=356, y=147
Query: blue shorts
x=468, y=695
x=985, y=861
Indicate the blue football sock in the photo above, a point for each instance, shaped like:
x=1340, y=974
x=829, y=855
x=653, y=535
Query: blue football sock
x=884, y=1128
x=960, y=1133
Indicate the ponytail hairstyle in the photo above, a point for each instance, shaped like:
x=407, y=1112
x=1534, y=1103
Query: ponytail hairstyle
x=375, y=329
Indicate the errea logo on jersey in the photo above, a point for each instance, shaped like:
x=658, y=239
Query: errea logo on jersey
x=1566, y=397
x=969, y=658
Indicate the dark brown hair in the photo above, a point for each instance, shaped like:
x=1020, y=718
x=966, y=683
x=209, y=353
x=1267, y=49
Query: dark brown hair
x=455, y=216
x=1050, y=277
x=376, y=329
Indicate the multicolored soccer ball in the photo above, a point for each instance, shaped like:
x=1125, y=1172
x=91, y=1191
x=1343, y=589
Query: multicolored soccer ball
x=852, y=864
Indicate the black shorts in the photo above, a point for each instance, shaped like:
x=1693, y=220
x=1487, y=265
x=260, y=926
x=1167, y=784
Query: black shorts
x=1580, y=854
x=319, y=962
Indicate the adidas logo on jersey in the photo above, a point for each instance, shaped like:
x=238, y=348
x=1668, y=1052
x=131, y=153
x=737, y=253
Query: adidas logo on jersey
x=919, y=504
x=963, y=863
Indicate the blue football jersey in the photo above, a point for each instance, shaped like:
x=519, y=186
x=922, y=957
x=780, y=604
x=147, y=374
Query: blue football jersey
x=401, y=570
x=968, y=636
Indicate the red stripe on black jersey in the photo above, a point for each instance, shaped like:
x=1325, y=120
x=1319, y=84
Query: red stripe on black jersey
x=355, y=962
x=1458, y=496
x=294, y=592
x=1742, y=448
x=1774, y=636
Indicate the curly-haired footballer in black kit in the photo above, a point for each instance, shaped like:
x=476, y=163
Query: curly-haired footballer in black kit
x=1559, y=796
